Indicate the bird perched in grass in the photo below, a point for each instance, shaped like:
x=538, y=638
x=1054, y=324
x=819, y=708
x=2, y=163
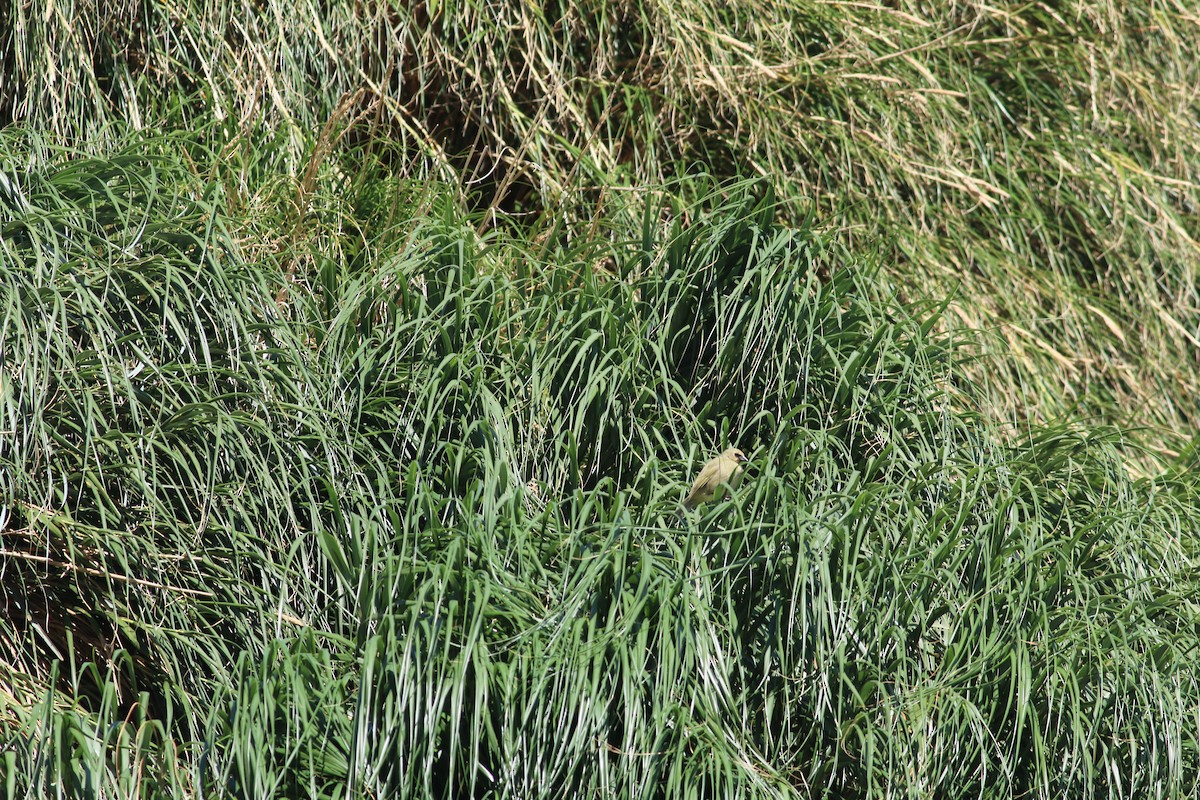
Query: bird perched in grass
x=725, y=469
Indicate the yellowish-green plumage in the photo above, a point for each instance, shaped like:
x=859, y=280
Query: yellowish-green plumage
x=725, y=469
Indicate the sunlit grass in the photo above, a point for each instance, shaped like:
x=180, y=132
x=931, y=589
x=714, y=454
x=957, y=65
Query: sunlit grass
x=397, y=514
x=355, y=359
x=1035, y=162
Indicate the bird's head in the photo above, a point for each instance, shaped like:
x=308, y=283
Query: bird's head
x=735, y=455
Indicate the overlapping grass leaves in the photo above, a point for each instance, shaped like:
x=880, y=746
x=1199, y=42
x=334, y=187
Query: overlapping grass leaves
x=408, y=524
x=1039, y=160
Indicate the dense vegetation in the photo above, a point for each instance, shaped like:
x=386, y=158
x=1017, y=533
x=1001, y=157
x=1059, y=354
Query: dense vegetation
x=356, y=358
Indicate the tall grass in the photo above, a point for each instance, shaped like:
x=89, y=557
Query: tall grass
x=1037, y=161
x=354, y=359
x=383, y=505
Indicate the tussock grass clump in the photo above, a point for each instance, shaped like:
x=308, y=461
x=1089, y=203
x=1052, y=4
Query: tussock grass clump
x=407, y=523
x=1038, y=160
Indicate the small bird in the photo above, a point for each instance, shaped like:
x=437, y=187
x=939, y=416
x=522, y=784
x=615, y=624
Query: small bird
x=709, y=484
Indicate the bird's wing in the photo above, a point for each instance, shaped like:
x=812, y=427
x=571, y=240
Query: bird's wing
x=703, y=483
x=726, y=470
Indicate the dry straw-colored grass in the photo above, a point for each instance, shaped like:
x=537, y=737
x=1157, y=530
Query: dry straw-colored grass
x=1039, y=161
